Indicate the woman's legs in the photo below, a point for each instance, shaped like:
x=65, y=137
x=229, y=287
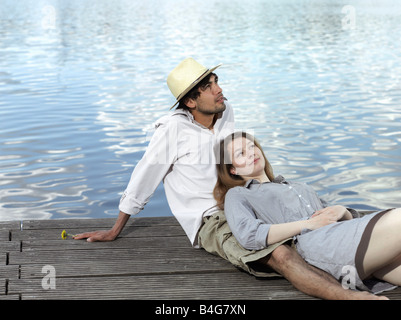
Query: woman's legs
x=390, y=273
x=382, y=257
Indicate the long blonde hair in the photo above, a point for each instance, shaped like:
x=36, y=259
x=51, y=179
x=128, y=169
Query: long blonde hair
x=225, y=179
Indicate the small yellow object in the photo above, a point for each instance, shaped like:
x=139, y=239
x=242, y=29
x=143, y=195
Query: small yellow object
x=64, y=235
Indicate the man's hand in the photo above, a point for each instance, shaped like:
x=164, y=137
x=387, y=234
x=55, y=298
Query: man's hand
x=101, y=235
x=106, y=235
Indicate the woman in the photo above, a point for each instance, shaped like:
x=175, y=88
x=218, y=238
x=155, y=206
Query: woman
x=363, y=253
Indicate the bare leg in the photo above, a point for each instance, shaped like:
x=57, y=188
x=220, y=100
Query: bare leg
x=308, y=279
x=391, y=273
x=383, y=253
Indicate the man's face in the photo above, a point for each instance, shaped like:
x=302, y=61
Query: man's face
x=211, y=99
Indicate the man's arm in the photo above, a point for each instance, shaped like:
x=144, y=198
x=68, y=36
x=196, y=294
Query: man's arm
x=106, y=235
x=146, y=176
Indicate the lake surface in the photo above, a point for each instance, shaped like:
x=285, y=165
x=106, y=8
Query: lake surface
x=81, y=83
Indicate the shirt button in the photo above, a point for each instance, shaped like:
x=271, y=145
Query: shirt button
x=299, y=196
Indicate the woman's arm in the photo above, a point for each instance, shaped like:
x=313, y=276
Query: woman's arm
x=338, y=212
x=249, y=231
x=282, y=231
x=253, y=233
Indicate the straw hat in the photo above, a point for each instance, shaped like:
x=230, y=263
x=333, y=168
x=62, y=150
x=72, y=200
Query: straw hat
x=185, y=77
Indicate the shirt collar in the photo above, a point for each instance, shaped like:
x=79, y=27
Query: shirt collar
x=184, y=113
x=191, y=118
x=278, y=179
x=189, y=115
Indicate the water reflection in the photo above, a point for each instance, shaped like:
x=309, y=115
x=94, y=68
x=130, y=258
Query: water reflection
x=81, y=83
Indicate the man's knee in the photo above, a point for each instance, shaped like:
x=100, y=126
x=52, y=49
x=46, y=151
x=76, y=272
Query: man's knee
x=283, y=254
x=280, y=259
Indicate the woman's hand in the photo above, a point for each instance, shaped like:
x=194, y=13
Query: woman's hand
x=320, y=219
x=336, y=213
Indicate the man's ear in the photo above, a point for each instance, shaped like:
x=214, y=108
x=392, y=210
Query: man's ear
x=190, y=103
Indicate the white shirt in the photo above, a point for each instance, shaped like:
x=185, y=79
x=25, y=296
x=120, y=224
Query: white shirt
x=181, y=155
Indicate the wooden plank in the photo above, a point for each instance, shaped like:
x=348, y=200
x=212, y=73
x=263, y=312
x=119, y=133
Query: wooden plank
x=3, y=258
x=4, y=235
x=149, y=242
x=109, y=254
x=393, y=294
x=8, y=272
x=129, y=231
x=230, y=286
x=7, y=246
x=10, y=297
x=171, y=265
x=225, y=286
x=10, y=225
x=3, y=286
x=95, y=223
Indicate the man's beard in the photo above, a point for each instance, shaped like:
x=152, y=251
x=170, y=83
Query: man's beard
x=215, y=111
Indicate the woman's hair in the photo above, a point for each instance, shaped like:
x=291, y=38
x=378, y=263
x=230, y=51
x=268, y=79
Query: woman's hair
x=225, y=179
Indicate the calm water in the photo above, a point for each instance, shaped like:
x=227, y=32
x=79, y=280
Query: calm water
x=81, y=82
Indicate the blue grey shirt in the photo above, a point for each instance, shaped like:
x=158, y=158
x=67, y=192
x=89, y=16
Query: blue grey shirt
x=252, y=209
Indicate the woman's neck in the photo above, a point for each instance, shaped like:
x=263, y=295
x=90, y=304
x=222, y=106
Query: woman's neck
x=261, y=178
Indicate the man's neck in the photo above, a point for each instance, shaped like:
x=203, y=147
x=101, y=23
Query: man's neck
x=206, y=120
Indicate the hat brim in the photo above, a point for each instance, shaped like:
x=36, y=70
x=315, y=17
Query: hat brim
x=204, y=75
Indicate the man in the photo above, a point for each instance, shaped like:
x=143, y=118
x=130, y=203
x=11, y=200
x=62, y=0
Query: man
x=180, y=154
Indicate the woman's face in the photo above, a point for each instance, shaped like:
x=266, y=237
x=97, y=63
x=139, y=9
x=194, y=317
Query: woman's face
x=247, y=159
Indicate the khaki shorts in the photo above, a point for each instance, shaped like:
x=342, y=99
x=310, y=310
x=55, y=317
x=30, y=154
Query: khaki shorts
x=215, y=237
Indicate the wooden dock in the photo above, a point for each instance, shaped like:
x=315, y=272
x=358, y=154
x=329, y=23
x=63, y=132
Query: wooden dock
x=152, y=259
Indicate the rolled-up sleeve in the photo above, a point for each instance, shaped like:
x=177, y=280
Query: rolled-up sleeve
x=249, y=231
